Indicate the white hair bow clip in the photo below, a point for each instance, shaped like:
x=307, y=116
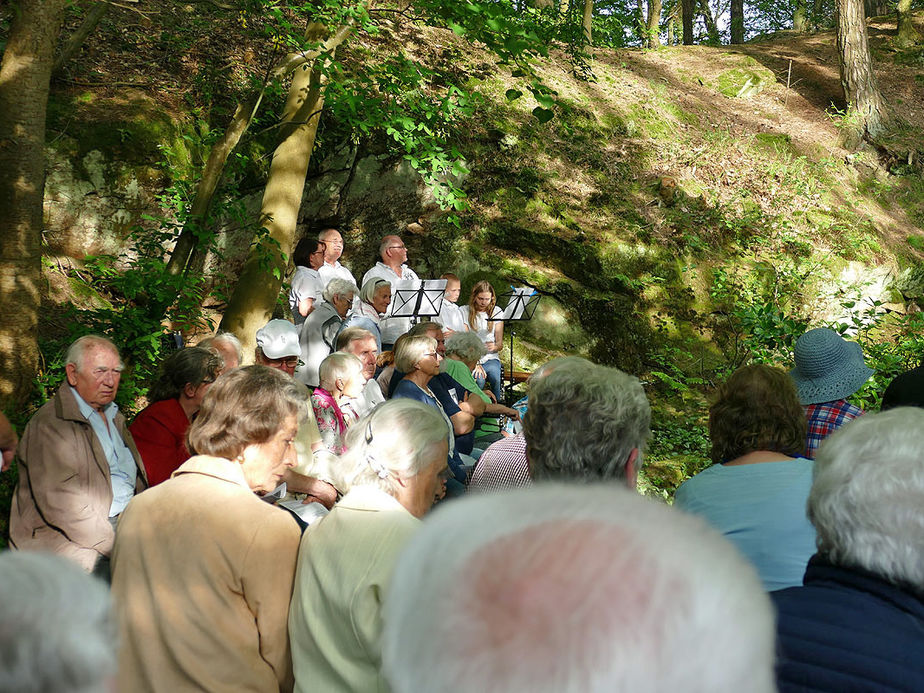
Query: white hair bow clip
x=377, y=467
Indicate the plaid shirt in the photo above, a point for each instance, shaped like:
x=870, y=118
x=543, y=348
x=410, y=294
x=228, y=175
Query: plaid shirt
x=503, y=465
x=824, y=419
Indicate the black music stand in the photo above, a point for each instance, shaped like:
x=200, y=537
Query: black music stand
x=521, y=306
x=417, y=298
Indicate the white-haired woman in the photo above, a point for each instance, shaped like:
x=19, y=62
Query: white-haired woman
x=396, y=459
x=202, y=568
x=419, y=360
x=318, y=336
x=341, y=378
x=374, y=298
x=463, y=351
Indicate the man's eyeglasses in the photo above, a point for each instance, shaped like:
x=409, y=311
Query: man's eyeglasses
x=290, y=361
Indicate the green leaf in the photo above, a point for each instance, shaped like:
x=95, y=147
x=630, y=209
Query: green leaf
x=458, y=29
x=543, y=115
x=513, y=94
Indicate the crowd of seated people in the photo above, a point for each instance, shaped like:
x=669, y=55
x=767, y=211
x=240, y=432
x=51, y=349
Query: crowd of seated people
x=266, y=527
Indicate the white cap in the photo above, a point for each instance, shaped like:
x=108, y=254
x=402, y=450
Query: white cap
x=278, y=339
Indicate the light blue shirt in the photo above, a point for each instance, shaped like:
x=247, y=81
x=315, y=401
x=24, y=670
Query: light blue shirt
x=761, y=509
x=122, y=468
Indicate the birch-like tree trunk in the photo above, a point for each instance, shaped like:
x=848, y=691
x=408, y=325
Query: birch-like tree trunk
x=588, y=20
x=251, y=305
x=866, y=110
x=25, y=74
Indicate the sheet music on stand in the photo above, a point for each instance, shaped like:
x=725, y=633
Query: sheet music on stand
x=417, y=298
x=521, y=304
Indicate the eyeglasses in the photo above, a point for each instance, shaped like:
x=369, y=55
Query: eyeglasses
x=290, y=361
x=397, y=247
x=434, y=354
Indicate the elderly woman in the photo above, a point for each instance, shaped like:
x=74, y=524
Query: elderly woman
x=342, y=379
x=419, y=360
x=374, y=298
x=318, y=336
x=463, y=351
x=481, y=317
x=755, y=491
x=307, y=285
x=202, y=567
x=397, y=461
x=159, y=429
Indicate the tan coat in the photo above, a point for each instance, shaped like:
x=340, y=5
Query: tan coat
x=201, y=579
x=344, y=568
x=62, y=499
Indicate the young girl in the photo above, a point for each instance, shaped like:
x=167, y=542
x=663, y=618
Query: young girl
x=481, y=315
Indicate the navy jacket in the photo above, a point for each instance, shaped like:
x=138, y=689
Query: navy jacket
x=847, y=630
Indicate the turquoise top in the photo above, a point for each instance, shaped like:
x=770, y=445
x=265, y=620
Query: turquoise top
x=761, y=509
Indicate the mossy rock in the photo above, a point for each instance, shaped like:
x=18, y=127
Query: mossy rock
x=739, y=83
x=910, y=282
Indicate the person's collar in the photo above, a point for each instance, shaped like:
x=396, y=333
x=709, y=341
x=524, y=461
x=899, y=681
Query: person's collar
x=109, y=411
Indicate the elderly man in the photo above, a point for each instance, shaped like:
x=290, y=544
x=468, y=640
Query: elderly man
x=228, y=347
x=333, y=249
x=574, y=588
x=392, y=268
x=278, y=347
x=586, y=423
x=828, y=370
x=78, y=465
x=857, y=623
x=361, y=343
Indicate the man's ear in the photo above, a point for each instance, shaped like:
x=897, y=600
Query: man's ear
x=71, y=371
x=632, y=470
x=189, y=390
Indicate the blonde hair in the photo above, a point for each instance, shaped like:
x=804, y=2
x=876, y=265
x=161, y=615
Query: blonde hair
x=410, y=350
x=480, y=288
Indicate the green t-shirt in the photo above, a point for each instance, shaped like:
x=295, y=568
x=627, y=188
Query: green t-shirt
x=463, y=376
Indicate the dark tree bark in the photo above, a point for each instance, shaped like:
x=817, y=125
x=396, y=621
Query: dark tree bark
x=76, y=39
x=865, y=107
x=906, y=35
x=737, y=21
x=686, y=9
x=24, y=78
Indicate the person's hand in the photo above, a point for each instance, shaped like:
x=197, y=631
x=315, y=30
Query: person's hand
x=512, y=414
x=491, y=396
x=323, y=493
x=479, y=372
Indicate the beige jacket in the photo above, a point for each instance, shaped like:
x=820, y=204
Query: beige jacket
x=64, y=492
x=345, y=565
x=201, y=580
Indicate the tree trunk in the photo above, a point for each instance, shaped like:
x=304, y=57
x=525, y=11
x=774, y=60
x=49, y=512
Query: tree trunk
x=588, y=20
x=712, y=30
x=251, y=305
x=687, y=10
x=800, y=16
x=78, y=37
x=737, y=21
x=865, y=107
x=654, y=24
x=906, y=35
x=671, y=38
x=24, y=78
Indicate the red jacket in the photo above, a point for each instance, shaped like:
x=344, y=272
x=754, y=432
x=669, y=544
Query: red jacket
x=159, y=431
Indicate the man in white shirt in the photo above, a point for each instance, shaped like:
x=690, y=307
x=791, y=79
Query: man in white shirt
x=333, y=249
x=392, y=268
